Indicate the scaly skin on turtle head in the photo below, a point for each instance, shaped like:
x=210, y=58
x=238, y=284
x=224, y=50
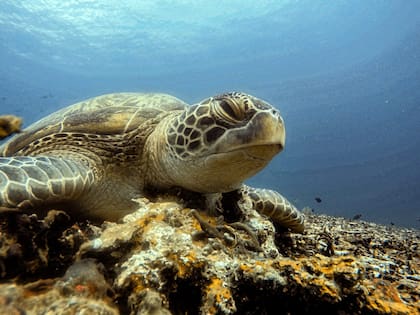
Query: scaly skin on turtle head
x=215, y=145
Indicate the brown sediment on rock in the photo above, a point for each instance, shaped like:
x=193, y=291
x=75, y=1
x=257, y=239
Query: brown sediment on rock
x=159, y=260
x=9, y=124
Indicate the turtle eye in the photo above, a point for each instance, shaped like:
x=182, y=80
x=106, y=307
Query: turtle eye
x=230, y=110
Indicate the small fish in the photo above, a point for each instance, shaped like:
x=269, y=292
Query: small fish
x=49, y=95
x=357, y=216
x=392, y=223
x=318, y=199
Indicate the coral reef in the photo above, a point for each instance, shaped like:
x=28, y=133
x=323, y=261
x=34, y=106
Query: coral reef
x=168, y=259
x=9, y=124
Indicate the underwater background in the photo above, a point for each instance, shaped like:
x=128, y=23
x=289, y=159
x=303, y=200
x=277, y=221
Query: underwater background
x=344, y=74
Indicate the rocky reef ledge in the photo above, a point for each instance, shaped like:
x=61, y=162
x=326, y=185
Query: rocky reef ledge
x=168, y=259
x=9, y=124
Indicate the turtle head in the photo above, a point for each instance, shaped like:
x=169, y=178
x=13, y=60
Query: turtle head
x=213, y=146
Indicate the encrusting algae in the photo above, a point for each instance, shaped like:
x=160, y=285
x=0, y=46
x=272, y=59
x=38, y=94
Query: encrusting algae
x=167, y=259
x=9, y=124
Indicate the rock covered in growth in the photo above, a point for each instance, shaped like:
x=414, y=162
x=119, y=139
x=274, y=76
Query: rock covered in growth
x=167, y=259
x=82, y=290
x=35, y=248
x=9, y=124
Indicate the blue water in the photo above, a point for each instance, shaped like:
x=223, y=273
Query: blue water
x=345, y=75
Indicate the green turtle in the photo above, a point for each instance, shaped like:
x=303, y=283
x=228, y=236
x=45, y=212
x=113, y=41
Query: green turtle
x=94, y=157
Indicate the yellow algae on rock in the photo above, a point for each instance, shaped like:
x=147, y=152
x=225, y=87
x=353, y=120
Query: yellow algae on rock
x=152, y=260
x=384, y=298
x=185, y=264
x=9, y=124
x=218, y=298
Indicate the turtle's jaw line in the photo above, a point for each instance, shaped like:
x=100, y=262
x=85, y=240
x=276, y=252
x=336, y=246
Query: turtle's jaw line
x=225, y=170
x=262, y=152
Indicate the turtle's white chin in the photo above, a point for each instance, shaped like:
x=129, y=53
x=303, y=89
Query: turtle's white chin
x=226, y=171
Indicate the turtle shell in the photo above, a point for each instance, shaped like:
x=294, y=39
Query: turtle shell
x=110, y=114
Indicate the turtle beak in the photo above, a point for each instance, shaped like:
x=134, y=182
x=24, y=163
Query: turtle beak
x=243, y=152
x=266, y=129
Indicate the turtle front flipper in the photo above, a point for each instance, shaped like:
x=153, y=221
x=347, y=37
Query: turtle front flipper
x=276, y=207
x=27, y=182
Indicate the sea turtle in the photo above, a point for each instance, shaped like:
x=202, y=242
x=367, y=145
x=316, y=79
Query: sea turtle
x=94, y=157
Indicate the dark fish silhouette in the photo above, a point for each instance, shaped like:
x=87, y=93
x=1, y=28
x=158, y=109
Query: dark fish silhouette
x=46, y=96
x=357, y=216
x=317, y=199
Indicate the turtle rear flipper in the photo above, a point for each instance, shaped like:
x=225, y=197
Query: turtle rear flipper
x=27, y=181
x=276, y=207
